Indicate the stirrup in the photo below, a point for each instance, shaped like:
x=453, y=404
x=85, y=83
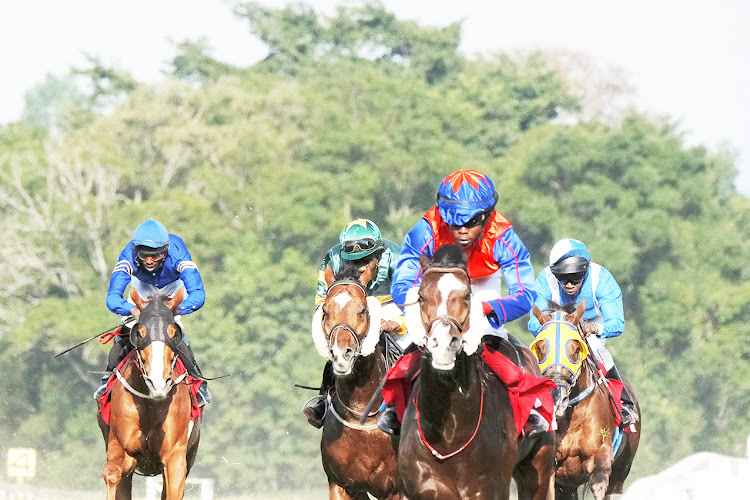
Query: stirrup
x=203, y=396
x=100, y=392
x=388, y=421
x=535, y=425
x=629, y=416
x=315, y=410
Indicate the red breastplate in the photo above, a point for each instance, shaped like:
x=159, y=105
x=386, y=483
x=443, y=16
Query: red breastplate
x=481, y=259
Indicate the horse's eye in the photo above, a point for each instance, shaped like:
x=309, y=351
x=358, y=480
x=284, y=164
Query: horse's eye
x=467, y=297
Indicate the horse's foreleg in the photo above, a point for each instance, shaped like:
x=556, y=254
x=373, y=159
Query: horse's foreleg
x=599, y=476
x=336, y=492
x=175, y=473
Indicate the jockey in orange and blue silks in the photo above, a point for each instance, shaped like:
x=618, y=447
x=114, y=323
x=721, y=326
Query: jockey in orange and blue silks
x=154, y=263
x=571, y=278
x=466, y=204
x=465, y=215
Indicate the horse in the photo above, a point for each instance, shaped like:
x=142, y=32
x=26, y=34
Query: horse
x=358, y=458
x=587, y=429
x=150, y=427
x=458, y=436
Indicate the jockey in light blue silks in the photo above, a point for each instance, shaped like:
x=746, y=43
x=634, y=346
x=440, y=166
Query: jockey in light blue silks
x=570, y=278
x=154, y=263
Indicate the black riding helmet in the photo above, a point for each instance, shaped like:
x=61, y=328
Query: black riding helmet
x=575, y=265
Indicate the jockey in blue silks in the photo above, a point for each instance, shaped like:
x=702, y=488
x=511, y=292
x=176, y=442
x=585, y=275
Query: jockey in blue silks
x=465, y=215
x=570, y=278
x=154, y=263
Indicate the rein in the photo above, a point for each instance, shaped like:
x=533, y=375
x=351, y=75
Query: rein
x=436, y=453
x=139, y=363
x=346, y=423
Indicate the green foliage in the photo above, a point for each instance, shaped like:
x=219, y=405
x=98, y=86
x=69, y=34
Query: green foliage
x=258, y=168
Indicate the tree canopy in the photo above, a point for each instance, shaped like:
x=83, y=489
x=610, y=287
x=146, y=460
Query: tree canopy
x=355, y=115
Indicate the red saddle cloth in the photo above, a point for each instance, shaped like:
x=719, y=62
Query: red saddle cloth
x=193, y=383
x=526, y=391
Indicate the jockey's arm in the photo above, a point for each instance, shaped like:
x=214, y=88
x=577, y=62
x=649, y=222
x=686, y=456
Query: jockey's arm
x=408, y=273
x=543, y=295
x=391, y=316
x=610, y=304
x=194, y=287
x=119, y=280
x=515, y=263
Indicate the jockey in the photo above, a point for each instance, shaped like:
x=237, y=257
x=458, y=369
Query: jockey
x=570, y=278
x=154, y=262
x=465, y=214
x=360, y=243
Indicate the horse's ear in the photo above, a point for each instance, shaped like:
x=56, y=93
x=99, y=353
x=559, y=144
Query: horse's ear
x=174, y=302
x=137, y=299
x=368, y=273
x=328, y=275
x=424, y=262
x=576, y=315
x=174, y=332
x=540, y=316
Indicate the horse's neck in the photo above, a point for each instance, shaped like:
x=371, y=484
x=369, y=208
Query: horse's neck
x=356, y=389
x=442, y=394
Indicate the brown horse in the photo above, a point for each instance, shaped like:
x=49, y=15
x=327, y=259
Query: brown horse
x=458, y=437
x=150, y=429
x=357, y=458
x=587, y=431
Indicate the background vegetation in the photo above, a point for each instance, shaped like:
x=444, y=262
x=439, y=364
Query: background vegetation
x=258, y=169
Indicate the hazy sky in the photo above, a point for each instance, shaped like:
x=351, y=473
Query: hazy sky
x=688, y=59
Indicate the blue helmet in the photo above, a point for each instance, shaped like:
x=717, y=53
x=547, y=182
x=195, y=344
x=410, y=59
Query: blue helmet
x=152, y=234
x=464, y=194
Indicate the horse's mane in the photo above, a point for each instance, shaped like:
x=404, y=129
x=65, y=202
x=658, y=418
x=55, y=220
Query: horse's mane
x=350, y=272
x=553, y=306
x=449, y=256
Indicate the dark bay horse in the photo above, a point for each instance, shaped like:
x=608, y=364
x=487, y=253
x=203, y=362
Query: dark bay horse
x=458, y=436
x=587, y=431
x=357, y=458
x=150, y=428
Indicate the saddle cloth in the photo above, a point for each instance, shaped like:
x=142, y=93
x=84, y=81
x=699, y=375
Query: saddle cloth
x=526, y=391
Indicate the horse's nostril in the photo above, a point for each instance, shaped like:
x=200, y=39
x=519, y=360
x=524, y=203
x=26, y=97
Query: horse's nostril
x=455, y=343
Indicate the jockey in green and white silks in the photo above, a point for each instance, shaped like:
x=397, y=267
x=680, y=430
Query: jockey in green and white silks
x=361, y=243
x=570, y=278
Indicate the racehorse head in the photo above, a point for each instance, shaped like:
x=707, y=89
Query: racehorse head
x=560, y=348
x=156, y=337
x=347, y=324
x=441, y=315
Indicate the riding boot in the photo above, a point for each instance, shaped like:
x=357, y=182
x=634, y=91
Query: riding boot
x=629, y=415
x=315, y=410
x=120, y=348
x=535, y=425
x=388, y=421
x=188, y=359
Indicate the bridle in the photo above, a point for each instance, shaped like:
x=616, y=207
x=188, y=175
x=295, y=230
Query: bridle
x=171, y=382
x=345, y=326
x=446, y=319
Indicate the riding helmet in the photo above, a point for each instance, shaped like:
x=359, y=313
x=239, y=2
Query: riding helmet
x=360, y=238
x=464, y=194
x=152, y=234
x=569, y=256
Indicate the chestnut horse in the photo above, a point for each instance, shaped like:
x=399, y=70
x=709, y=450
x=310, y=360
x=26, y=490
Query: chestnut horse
x=150, y=429
x=587, y=430
x=357, y=458
x=458, y=436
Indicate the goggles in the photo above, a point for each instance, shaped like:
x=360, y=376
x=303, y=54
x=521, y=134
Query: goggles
x=361, y=245
x=474, y=221
x=571, y=278
x=151, y=256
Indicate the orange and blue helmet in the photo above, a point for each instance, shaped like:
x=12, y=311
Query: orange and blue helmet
x=464, y=194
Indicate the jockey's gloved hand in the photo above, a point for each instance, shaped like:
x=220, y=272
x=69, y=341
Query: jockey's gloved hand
x=491, y=315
